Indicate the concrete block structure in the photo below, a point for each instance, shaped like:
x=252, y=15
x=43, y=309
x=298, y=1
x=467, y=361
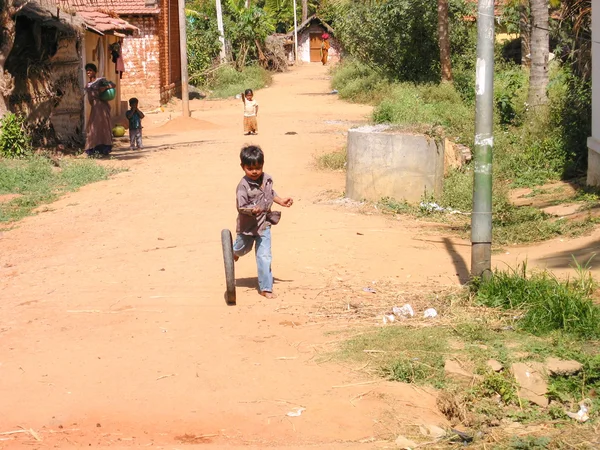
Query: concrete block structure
x=593, y=174
x=383, y=162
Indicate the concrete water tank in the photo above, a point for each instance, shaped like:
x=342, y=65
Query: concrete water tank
x=384, y=162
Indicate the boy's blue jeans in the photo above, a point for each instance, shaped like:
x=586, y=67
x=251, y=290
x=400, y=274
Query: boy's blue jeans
x=243, y=244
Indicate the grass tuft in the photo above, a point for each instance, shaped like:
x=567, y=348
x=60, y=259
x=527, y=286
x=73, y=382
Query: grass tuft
x=332, y=161
x=543, y=303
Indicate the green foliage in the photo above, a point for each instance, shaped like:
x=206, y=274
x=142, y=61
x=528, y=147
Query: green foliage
x=243, y=28
x=281, y=13
x=502, y=384
x=15, y=141
x=357, y=82
x=545, y=303
x=227, y=81
x=36, y=182
x=203, y=44
x=400, y=37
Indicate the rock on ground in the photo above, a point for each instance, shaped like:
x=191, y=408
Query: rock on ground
x=532, y=385
x=403, y=442
x=556, y=366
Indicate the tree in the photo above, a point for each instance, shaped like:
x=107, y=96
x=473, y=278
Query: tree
x=8, y=13
x=304, y=10
x=540, y=51
x=444, y=40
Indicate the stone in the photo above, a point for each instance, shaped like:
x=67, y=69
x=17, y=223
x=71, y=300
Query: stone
x=556, y=366
x=432, y=431
x=496, y=366
x=403, y=442
x=532, y=385
x=454, y=371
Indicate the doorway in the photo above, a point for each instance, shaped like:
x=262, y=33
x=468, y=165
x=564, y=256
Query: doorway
x=315, y=47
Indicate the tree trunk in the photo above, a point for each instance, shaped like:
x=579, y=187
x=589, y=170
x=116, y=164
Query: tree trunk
x=444, y=40
x=525, y=32
x=304, y=10
x=540, y=49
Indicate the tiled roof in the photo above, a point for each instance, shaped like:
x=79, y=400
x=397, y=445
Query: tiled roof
x=104, y=23
x=119, y=7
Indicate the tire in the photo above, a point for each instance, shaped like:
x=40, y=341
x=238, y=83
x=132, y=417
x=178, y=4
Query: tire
x=227, y=244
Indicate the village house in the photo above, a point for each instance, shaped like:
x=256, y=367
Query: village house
x=593, y=175
x=151, y=57
x=52, y=46
x=310, y=40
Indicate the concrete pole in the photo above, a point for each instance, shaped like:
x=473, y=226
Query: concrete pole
x=295, y=34
x=223, y=56
x=185, y=95
x=481, y=220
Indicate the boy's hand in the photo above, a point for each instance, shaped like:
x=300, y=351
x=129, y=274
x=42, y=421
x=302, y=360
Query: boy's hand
x=287, y=202
x=256, y=210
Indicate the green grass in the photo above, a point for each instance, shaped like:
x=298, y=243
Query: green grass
x=228, y=82
x=543, y=302
x=37, y=181
x=332, y=161
x=358, y=83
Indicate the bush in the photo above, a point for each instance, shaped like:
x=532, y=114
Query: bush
x=358, y=82
x=203, y=44
x=15, y=141
x=228, y=82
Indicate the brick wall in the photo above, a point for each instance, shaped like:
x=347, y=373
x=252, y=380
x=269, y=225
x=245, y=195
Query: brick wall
x=142, y=57
x=170, y=72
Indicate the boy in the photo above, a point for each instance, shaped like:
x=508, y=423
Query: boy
x=255, y=196
x=135, y=116
x=250, y=112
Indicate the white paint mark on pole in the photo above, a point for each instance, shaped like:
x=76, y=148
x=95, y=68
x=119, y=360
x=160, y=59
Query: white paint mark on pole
x=487, y=141
x=484, y=168
x=480, y=77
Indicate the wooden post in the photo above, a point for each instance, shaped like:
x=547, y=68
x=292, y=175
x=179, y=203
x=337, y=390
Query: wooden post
x=185, y=96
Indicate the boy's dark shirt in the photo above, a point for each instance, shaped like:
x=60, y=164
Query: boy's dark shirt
x=135, y=121
x=249, y=194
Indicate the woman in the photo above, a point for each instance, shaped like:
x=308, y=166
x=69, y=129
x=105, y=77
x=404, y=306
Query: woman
x=98, y=132
x=324, y=48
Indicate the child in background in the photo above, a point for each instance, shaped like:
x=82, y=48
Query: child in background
x=135, y=116
x=254, y=198
x=250, y=112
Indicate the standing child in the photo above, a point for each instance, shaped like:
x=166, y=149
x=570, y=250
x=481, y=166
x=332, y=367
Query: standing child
x=135, y=116
x=250, y=112
x=255, y=196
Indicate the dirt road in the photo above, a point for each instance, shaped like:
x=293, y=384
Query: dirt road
x=114, y=329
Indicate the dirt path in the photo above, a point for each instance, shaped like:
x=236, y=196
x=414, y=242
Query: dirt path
x=114, y=330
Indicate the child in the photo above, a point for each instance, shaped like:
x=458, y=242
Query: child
x=250, y=112
x=135, y=116
x=255, y=196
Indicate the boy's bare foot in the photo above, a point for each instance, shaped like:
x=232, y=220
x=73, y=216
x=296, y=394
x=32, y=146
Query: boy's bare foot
x=268, y=294
x=235, y=258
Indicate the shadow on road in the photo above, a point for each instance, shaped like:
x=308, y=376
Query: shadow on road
x=462, y=270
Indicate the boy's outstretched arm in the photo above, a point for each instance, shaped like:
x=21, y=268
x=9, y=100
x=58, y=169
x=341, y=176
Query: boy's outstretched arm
x=243, y=98
x=140, y=113
x=287, y=201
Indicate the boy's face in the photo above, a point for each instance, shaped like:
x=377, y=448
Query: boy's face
x=254, y=172
x=133, y=105
x=249, y=96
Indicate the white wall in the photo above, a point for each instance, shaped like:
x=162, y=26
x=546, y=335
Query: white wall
x=593, y=176
x=304, y=43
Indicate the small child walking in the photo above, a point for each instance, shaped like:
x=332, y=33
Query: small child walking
x=250, y=112
x=254, y=198
x=135, y=116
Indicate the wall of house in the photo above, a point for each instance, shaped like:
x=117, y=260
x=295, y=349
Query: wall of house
x=141, y=55
x=304, y=43
x=96, y=45
x=593, y=175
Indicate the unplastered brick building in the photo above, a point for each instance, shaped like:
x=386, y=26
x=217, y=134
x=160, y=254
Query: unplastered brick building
x=151, y=57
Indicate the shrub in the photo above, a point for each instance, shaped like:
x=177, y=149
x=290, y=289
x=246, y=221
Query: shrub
x=202, y=41
x=15, y=141
x=227, y=81
x=545, y=303
x=358, y=82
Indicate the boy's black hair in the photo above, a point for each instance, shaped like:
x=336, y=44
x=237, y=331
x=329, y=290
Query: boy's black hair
x=133, y=101
x=252, y=155
x=91, y=66
x=248, y=92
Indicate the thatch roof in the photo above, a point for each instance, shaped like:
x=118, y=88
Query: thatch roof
x=308, y=22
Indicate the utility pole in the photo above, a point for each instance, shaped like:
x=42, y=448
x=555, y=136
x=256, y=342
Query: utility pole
x=222, y=54
x=295, y=35
x=481, y=220
x=185, y=95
